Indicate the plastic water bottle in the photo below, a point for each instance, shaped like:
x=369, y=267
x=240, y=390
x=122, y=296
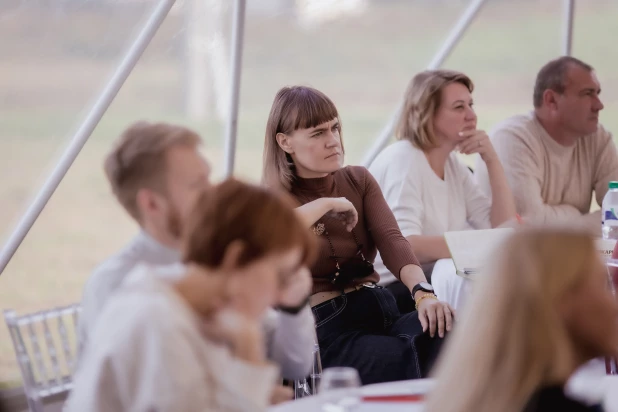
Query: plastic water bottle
x=610, y=212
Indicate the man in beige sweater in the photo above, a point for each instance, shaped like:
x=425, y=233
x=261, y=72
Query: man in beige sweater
x=556, y=156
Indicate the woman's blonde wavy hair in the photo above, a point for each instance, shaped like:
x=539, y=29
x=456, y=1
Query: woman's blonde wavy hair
x=421, y=101
x=512, y=339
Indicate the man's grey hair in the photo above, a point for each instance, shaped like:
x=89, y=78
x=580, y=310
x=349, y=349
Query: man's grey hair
x=552, y=77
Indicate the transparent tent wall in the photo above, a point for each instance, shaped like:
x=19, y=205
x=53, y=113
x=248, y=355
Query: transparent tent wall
x=56, y=56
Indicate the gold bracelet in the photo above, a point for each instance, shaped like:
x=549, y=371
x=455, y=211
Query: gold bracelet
x=427, y=295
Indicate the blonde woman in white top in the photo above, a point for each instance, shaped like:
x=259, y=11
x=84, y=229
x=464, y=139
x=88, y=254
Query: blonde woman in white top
x=427, y=186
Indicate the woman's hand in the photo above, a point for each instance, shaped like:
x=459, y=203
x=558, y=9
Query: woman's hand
x=242, y=334
x=436, y=315
x=477, y=141
x=337, y=207
x=281, y=394
x=296, y=289
x=342, y=209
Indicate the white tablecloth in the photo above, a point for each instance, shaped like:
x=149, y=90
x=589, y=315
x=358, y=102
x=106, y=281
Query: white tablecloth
x=589, y=385
x=418, y=386
x=450, y=287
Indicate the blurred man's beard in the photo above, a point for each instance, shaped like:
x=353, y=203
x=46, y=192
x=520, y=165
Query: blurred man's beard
x=174, y=226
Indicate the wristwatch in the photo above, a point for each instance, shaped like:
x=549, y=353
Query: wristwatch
x=424, y=286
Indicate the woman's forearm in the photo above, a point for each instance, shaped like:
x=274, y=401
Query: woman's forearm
x=311, y=212
x=503, y=203
x=249, y=346
x=412, y=275
x=429, y=248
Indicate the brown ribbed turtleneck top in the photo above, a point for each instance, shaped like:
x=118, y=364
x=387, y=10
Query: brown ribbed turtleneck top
x=376, y=228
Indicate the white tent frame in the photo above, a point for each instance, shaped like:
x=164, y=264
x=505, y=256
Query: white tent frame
x=134, y=53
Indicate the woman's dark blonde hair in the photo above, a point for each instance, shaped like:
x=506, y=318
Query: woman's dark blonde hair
x=295, y=107
x=422, y=100
x=512, y=340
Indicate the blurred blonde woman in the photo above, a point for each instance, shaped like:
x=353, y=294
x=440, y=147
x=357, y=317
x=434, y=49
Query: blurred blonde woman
x=430, y=190
x=546, y=310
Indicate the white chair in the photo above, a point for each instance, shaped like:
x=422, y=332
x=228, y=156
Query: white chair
x=45, y=345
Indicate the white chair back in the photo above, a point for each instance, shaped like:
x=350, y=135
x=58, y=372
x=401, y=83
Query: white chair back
x=45, y=345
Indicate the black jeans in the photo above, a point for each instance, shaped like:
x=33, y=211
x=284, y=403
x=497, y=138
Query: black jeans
x=402, y=294
x=364, y=329
x=403, y=297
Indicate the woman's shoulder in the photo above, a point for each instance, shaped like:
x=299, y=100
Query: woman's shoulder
x=353, y=171
x=398, y=159
x=400, y=151
x=357, y=178
x=143, y=297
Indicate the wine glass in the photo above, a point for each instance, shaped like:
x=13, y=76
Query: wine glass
x=339, y=389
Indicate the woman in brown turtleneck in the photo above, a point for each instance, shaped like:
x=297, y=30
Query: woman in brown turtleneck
x=358, y=323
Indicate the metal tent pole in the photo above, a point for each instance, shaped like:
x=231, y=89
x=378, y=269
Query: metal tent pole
x=449, y=44
x=232, y=122
x=567, y=29
x=86, y=128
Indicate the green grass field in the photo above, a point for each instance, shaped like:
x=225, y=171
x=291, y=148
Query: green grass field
x=50, y=73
